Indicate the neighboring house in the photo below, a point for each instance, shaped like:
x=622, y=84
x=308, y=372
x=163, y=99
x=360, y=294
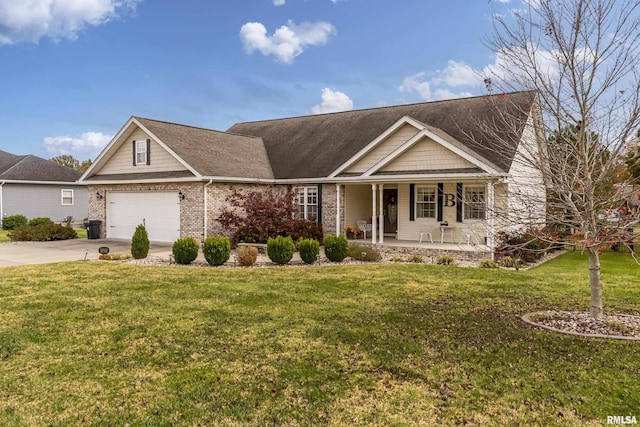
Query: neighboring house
x=413, y=167
x=35, y=187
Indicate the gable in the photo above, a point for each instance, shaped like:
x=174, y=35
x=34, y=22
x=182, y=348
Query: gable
x=383, y=149
x=121, y=162
x=427, y=155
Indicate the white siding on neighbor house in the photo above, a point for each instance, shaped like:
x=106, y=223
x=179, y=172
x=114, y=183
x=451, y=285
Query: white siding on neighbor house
x=384, y=148
x=43, y=200
x=427, y=154
x=122, y=159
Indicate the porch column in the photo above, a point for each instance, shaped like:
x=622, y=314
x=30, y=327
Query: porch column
x=374, y=235
x=381, y=210
x=338, y=228
x=491, y=219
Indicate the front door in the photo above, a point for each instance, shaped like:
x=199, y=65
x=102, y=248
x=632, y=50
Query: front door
x=390, y=197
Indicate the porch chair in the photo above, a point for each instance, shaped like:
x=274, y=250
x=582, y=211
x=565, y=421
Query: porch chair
x=364, y=226
x=426, y=231
x=467, y=233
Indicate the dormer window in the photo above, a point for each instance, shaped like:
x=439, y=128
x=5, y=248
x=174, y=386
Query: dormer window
x=141, y=155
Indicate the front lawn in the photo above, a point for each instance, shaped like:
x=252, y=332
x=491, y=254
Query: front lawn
x=103, y=343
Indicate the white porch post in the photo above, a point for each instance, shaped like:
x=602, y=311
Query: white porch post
x=491, y=219
x=373, y=214
x=338, y=228
x=381, y=210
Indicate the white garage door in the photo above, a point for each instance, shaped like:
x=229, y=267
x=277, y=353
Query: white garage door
x=158, y=211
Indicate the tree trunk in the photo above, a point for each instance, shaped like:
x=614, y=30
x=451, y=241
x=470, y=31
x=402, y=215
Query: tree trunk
x=595, y=281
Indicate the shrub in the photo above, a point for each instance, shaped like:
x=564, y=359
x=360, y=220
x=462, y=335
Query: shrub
x=39, y=221
x=416, y=258
x=42, y=233
x=13, y=221
x=487, y=263
x=185, y=250
x=336, y=248
x=525, y=244
x=247, y=255
x=140, y=243
x=364, y=253
x=217, y=250
x=309, y=250
x=509, y=262
x=280, y=250
x=446, y=260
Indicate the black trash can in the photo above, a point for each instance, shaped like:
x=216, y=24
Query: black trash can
x=93, y=230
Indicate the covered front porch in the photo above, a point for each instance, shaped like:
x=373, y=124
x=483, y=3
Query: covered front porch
x=431, y=217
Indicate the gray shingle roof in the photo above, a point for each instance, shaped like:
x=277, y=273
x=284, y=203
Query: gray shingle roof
x=315, y=146
x=214, y=153
x=33, y=168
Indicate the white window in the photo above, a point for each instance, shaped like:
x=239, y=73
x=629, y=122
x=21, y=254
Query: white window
x=67, y=197
x=308, y=203
x=141, y=152
x=426, y=202
x=475, y=204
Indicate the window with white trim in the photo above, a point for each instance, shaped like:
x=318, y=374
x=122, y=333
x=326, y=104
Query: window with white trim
x=308, y=203
x=141, y=152
x=67, y=197
x=426, y=202
x=475, y=202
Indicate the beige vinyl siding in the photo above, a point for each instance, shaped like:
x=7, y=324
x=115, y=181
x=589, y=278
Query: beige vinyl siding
x=427, y=155
x=358, y=204
x=384, y=148
x=410, y=230
x=527, y=192
x=122, y=160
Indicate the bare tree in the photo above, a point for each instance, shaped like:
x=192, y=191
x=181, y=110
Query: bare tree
x=583, y=59
x=71, y=162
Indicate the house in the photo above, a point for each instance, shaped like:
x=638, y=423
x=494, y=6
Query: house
x=445, y=171
x=35, y=187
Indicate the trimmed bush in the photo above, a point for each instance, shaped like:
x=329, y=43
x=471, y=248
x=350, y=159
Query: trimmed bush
x=364, y=253
x=280, y=250
x=185, y=250
x=140, y=243
x=247, y=255
x=508, y=262
x=39, y=221
x=309, y=250
x=336, y=248
x=446, y=260
x=14, y=221
x=416, y=259
x=217, y=250
x=487, y=263
x=42, y=233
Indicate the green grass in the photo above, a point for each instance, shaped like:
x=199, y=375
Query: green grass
x=110, y=343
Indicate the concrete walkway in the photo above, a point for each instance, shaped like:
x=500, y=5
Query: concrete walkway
x=23, y=253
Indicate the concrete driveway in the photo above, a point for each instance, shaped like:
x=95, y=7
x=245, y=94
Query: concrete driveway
x=22, y=253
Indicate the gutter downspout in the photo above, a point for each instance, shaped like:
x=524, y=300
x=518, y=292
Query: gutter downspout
x=1, y=204
x=206, y=210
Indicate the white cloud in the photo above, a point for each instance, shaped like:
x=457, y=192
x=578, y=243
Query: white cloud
x=88, y=144
x=332, y=101
x=436, y=85
x=31, y=20
x=278, y=2
x=288, y=41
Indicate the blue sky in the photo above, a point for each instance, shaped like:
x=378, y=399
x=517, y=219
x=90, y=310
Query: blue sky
x=73, y=71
